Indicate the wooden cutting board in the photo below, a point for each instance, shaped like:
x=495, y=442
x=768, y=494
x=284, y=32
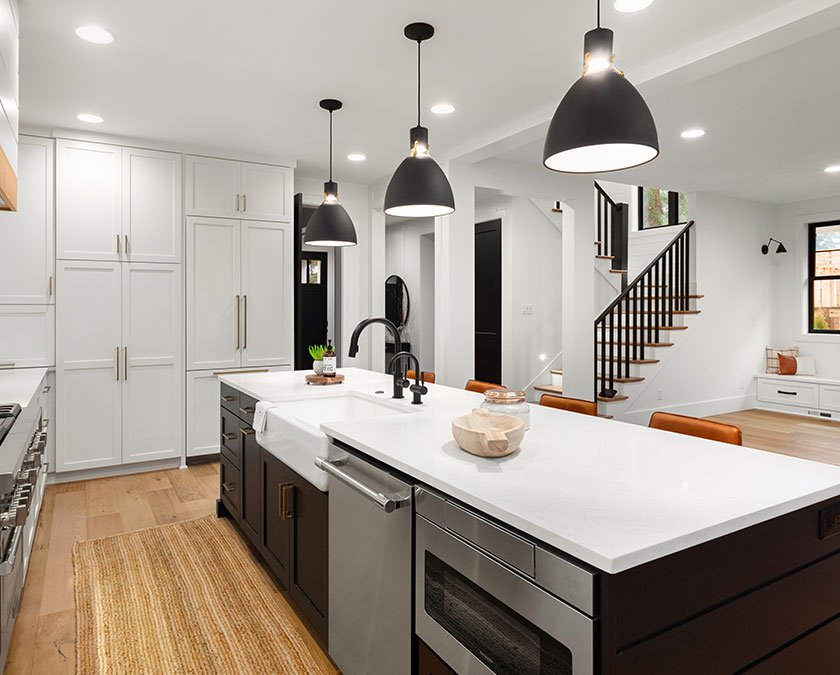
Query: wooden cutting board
x=324, y=380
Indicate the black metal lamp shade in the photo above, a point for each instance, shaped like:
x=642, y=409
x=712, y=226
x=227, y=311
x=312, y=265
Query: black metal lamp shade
x=419, y=188
x=602, y=124
x=330, y=225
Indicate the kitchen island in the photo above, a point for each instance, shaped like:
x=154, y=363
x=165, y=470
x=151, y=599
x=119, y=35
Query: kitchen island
x=703, y=557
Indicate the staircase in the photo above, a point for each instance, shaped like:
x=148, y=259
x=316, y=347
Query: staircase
x=634, y=332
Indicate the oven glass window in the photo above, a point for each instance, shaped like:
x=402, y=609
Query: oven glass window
x=504, y=641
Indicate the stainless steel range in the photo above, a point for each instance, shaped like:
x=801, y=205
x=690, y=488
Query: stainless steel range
x=23, y=477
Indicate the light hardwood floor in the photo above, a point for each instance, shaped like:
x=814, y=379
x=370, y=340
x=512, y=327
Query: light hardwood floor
x=805, y=437
x=44, y=637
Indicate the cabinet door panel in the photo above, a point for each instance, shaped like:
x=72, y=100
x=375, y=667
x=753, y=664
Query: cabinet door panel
x=88, y=381
x=27, y=336
x=211, y=187
x=152, y=404
x=88, y=200
x=277, y=529
x=202, y=414
x=309, y=580
x=213, y=322
x=151, y=200
x=26, y=269
x=251, y=513
x=267, y=192
x=267, y=305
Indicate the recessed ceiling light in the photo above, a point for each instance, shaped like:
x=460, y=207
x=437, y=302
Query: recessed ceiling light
x=632, y=5
x=443, y=109
x=89, y=118
x=834, y=168
x=356, y=157
x=693, y=133
x=95, y=34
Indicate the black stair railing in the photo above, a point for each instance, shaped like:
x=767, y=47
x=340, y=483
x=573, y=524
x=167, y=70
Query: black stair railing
x=613, y=230
x=631, y=324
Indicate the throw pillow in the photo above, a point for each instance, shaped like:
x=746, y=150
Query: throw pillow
x=772, y=358
x=787, y=365
x=805, y=365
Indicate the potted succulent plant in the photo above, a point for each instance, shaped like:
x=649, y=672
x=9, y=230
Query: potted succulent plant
x=317, y=354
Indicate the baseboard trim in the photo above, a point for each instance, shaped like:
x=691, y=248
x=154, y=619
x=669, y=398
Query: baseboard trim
x=719, y=406
x=110, y=471
x=203, y=459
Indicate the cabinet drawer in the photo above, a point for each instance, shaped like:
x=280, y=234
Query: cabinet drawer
x=230, y=486
x=229, y=398
x=830, y=397
x=788, y=393
x=231, y=438
x=246, y=408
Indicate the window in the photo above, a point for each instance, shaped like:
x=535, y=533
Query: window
x=661, y=208
x=310, y=271
x=824, y=277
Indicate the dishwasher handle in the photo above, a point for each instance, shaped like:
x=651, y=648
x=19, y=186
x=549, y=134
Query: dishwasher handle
x=387, y=503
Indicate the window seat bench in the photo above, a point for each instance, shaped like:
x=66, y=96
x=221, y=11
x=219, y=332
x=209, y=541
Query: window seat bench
x=799, y=395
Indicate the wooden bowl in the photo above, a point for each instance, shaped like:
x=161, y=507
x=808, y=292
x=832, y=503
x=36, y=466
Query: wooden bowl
x=488, y=434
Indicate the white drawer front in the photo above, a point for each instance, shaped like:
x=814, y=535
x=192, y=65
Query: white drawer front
x=830, y=397
x=788, y=393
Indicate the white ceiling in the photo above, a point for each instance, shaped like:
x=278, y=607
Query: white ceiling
x=245, y=77
x=772, y=127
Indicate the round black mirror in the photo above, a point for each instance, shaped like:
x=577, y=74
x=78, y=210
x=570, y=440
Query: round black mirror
x=397, y=301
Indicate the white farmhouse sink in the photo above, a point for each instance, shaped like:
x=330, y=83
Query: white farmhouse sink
x=292, y=432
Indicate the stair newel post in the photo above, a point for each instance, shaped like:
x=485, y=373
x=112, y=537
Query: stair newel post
x=656, y=301
x=611, y=351
x=687, y=267
x=600, y=226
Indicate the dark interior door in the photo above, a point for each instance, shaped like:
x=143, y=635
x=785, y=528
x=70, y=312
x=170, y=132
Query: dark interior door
x=310, y=284
x=488, y=301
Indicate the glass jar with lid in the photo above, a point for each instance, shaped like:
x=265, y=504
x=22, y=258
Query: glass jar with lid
x=508, y=402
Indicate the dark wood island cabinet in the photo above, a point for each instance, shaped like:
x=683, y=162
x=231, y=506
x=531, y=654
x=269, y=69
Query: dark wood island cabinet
x=282, y=515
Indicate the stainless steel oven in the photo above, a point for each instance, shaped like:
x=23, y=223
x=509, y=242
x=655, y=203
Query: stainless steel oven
x=489, y=601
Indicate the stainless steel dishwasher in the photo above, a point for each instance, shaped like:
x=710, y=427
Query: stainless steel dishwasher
x=370, y=566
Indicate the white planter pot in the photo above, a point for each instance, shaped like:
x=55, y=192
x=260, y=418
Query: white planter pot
x=318, y=367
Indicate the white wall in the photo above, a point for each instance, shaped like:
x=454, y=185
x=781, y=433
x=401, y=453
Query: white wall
x=789, y=283
x=711, y=368
x=354, y=303
x=407, y=256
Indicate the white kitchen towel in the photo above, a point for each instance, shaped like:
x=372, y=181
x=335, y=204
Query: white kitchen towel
x=259, y=415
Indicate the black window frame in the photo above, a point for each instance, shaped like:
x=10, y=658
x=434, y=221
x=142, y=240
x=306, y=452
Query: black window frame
x=673, y=210
x=812, y=275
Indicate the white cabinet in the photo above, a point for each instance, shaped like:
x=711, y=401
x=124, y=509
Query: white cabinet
x=27, y=265
x=88, y=381
x=151, y=206
x=788, y=392
x=117, y=204
x=27, y=336
x=152, y=381
x=830, y=397
x=203, y=392
x=88, y=200
x=239, y=296
x=213, y=304
x=118, y=366
x=267, y=301
x=266, y=192
x=226, y=189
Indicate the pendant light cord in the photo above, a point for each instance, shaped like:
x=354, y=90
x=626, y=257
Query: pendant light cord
x=599, y=12
x=418, y=83
x=331, y=145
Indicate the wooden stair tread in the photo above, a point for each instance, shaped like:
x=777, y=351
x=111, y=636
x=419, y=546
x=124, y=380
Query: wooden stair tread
x=618, y=271
x=605, y=257
x=606, y=417
x=637, y=344
x=634, y=362
x=653, y=311
x=614, y=399
x=556, y=372
x=549, y=389
x=622, y=380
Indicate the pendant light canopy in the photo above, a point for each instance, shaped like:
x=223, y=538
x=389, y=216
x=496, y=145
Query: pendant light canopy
x=330, y=225
x=603, y=123
x=419, y=188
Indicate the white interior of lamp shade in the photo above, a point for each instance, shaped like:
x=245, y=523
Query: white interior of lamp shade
x=600, y=158
x=419, y=210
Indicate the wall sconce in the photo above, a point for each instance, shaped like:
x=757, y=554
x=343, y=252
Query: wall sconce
x=779, y=249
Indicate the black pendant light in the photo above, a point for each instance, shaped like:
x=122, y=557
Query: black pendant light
x=419, y=188
x=330, y=225
x=603, y=123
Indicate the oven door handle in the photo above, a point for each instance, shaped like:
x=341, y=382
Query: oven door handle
x=8, y=562
x=384, y=502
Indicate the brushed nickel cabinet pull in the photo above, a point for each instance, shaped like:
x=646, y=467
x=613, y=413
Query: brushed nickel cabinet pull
x=118, y=363
x=287, y=501
x=229, y=487
x=126, y=244
x=237, y=322
x=237, y=201
x=125, y=362
x=118, y=245
x=228, y=437
x=50, y=286
x=245, y=323
x=244, y=203
x=248, y=410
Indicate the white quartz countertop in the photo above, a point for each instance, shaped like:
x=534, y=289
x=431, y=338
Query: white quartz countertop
x=20, y=385
x=614, y=495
